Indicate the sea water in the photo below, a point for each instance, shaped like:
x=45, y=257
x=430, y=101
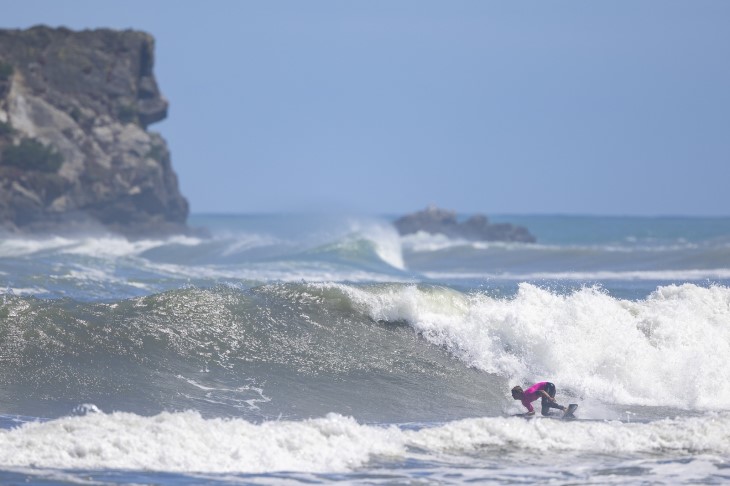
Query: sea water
x=290, y=349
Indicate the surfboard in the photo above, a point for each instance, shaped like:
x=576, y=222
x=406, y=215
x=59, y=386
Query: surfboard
x=567, y=415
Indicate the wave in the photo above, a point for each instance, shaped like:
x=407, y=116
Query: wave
x=371, y=236
x=187, y=442
x=668, y=349
x=264, y=352
x=441, y=259
x=422, y=242
x=278, y=349
x=591, y=276
x=91, y=246
x=357, y=250
x=286, y=271
x=109, y=267
x=385, y=239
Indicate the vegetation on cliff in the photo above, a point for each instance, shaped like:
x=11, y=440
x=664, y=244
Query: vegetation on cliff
x=30, y=154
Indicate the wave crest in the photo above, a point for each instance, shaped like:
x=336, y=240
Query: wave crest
x=667, y=349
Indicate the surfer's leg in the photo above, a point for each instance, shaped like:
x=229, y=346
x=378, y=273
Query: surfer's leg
x=547, y=404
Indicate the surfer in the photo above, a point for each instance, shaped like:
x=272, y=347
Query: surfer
x=544, y=390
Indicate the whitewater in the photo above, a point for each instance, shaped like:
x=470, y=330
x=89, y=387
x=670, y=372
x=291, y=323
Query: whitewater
x=308, y=348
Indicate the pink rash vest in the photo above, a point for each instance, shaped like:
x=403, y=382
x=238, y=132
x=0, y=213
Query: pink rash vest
x=531, y=395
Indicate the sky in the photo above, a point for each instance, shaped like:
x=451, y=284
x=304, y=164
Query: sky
x=383, y=107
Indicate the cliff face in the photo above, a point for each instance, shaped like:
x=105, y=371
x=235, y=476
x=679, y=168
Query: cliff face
x=74, y=145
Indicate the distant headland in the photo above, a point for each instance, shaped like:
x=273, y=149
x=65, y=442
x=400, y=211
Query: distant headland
x=75, y=152
x=476, y=228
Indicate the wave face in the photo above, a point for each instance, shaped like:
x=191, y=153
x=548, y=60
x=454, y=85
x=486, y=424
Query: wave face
x=295, y=350
x=385, y=352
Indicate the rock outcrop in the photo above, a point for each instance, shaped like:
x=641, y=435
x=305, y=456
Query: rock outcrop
x=477, y=228
x=74, y=147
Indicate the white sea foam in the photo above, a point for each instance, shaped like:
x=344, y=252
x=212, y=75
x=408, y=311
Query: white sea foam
x=101, y=274
x=668, y=349
x=15, y=247
x=275, y=272
x=709, y=434
x=109, y=247
x=102, y=246
x=422, y=242
x=23, y=291
x=185, y=442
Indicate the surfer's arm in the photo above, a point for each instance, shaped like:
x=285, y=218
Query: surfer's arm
x=544, y=394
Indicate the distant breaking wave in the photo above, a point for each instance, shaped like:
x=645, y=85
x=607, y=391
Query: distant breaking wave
x=422, y=242
x=356, y=250
x=592, y=276
x=107, y=267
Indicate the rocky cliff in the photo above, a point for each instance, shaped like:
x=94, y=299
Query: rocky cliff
x=74, y=147
x=440, y=221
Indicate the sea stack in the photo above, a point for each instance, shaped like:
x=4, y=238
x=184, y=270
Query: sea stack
x=434, y=220
x=75, y=152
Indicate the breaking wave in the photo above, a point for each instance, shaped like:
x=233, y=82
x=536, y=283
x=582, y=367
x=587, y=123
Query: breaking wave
x=225, y=350
x=669, y=348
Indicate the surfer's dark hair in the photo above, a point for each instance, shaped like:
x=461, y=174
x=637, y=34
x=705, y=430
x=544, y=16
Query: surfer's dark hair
x=516, y=390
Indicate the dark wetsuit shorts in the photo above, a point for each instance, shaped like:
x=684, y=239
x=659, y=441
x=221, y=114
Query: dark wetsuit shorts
x=547, y=404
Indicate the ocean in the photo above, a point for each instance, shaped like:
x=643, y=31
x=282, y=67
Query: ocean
x=310, y=349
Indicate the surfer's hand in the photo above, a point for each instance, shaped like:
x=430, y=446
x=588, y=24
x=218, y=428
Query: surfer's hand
x=545, y=395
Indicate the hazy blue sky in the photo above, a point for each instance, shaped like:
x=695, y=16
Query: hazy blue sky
x=610, y=107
